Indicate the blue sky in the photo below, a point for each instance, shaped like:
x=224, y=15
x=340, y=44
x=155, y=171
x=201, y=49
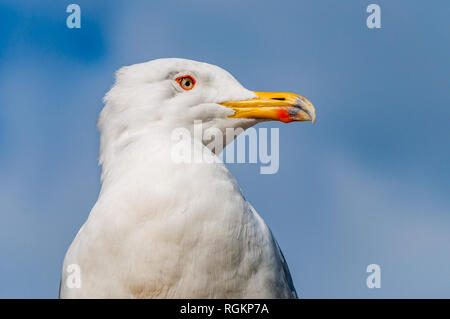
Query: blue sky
x=369, y=183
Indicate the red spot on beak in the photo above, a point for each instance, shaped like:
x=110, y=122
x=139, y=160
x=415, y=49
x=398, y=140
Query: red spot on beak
x=283, y=115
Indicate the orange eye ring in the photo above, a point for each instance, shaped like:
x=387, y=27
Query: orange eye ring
x=186, y=82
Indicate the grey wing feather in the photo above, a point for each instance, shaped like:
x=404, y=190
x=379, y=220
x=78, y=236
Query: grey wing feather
x=286, y=271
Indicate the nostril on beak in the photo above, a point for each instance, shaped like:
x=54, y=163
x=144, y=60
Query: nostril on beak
x=278, y=98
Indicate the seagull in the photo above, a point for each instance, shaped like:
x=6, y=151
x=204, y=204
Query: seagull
x=167, y=229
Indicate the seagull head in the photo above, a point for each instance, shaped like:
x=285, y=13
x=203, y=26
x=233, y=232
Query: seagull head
x=165, y=94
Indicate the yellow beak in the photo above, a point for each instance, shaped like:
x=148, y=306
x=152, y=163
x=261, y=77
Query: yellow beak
x=275, y=106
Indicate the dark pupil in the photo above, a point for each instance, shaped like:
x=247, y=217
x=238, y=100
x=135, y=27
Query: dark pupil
x=187, y=83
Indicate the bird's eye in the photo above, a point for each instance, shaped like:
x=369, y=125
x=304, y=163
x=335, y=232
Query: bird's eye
x=186, y=82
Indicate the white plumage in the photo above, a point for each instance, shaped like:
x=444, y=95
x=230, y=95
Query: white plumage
x=162, y=229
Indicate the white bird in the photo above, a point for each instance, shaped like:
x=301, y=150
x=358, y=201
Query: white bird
x=164, y=229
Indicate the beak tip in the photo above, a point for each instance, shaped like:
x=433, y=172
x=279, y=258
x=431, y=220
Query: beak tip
x=313, y=117
x=306, y=106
